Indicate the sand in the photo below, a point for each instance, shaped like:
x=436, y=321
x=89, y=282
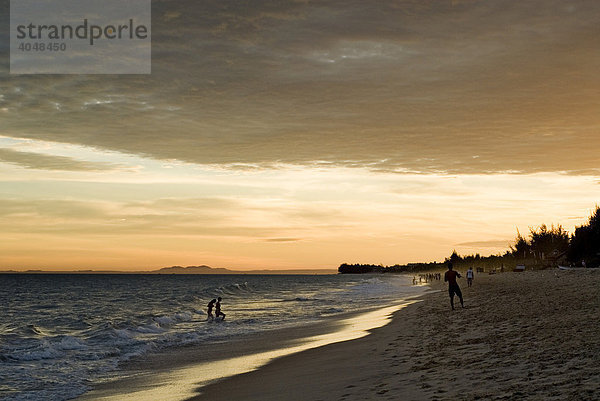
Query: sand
x=532, y=335
x=174, y=374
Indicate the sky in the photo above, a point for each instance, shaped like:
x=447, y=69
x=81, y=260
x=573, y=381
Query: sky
x=305, y=134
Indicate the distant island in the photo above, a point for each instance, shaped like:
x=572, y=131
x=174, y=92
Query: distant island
x=202, y=269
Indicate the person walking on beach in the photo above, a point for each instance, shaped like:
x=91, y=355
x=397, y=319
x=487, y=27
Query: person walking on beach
x=453, y=287
x=470, y=277
x=209, y=309
x=218, y=309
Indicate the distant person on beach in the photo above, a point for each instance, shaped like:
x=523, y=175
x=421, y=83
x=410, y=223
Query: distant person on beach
x=218, y=309
x=209, y=309
x=469, y=277
x=453, y=287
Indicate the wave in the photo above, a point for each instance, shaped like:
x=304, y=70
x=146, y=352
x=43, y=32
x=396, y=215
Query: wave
x=299, y=299
x=47, y=348
x=231, y=289
x=331, y=311
x=35, y=330
x=69, y=343
x=167, y=321
x=131, y=316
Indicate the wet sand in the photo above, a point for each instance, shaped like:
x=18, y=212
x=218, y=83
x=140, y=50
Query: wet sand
x=176, y=374
x=532, y=335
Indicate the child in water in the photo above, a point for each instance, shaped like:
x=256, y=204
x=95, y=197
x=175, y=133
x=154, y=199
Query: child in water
x=209, y=309
x=218, y=309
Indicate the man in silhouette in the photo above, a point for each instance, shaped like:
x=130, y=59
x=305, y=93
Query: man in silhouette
x=218, y=309
x=453, y=287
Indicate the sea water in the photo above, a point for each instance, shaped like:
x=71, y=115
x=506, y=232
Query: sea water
x=60, y=332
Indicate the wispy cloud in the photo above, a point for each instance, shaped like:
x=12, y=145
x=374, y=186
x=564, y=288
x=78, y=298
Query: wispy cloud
x=40, y=161
x=487, y=244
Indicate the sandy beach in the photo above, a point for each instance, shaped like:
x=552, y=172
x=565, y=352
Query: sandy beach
x=532, y=335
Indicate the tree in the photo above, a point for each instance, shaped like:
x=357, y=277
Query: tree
x=585, y=242
x=545, y=241
x=455, y=257
x=522, y=248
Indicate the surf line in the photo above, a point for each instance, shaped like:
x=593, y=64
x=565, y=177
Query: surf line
x=183, y=383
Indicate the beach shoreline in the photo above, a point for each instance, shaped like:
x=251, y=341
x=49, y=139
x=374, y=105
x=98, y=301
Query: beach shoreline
x=531, y=335
x=177, y=372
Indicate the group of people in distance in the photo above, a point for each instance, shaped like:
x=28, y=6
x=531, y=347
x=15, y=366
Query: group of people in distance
x=428, y=278
x=453, y=288
x=450, y=277
x=215, y=303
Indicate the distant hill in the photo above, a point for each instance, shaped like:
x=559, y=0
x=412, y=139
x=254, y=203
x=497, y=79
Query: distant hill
x=202, y=269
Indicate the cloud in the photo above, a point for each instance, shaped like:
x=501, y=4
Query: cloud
x=23, y=210
x=42, y=161
x=421, y=86
x=487, y=244
x=207, y=217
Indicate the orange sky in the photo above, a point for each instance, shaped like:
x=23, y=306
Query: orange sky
x=305, y=135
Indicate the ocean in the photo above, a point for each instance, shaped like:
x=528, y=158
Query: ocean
x=61, y=333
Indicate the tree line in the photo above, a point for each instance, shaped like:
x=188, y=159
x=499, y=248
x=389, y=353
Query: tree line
x=543, y=247
x=358, y=268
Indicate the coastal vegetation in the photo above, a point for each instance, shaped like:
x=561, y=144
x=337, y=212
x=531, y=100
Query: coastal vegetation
x=366, y=268
x=544, y=247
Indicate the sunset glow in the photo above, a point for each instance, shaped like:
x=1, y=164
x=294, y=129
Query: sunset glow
x=304, y=135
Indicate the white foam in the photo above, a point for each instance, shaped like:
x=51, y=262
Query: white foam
x=183, y=383
x=150, y=328
x=71, y=343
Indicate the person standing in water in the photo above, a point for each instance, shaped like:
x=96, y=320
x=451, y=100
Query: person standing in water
x=470, y=277
x=453, y=287
x=218, y=309
x=209, y=309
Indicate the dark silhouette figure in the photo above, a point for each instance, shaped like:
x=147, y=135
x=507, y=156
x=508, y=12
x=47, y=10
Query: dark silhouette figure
x=453, y=287
x=218, y=309
x=209, y=309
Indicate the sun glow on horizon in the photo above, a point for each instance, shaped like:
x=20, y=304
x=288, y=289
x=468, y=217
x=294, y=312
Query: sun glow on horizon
x=289, y=217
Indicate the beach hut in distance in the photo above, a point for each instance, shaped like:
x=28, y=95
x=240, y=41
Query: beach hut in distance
x=519, y=268
x=555, y=258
